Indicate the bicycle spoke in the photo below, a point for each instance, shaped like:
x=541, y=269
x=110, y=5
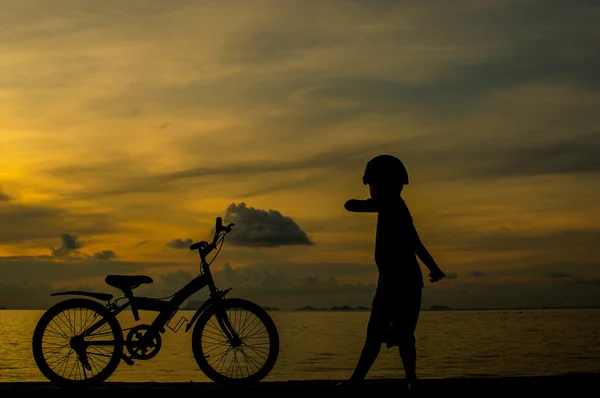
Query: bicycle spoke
x=97, y=347
x=241, y=361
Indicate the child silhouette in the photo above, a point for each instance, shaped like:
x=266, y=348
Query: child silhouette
x=397, y=301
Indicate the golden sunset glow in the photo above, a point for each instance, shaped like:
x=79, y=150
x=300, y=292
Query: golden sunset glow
x=129, y=125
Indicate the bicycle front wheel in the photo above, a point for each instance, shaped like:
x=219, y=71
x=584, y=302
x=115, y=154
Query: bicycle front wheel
x=245, y=361
x=65, y=357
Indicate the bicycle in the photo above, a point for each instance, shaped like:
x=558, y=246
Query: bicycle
x=96, y=334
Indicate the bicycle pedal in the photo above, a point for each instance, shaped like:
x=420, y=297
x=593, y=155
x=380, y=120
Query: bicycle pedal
x=128, y=360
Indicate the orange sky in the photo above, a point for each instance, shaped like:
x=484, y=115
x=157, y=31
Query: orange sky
x=127, y=126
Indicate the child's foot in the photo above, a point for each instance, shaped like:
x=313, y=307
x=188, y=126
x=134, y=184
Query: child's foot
x=412, y=386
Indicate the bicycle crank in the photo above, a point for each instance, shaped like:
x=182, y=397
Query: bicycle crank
x=141, y=345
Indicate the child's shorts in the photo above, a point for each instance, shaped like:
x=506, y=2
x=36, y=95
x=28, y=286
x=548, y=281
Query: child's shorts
x=394, y=314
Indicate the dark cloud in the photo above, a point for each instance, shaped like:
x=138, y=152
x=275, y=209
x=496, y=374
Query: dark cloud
x=558, y=275
x=127, y=177
x=27, y=294
x=269, y=286
x=291, y=286
x=40, y=222
x=514, y=294
x=547, y=59
x=141, y=243
x=262, y=228
x=289, y=183
x=26, y=272
x=4, y=197
x=23, y=288
x=573, y=154
x=334, y=158
x=545, y=45
x=478, y=274
x=271, y=45
x=504, y=240
x=70, y=245
x=180, y=243
x=272, y=288
x=167, y=285
x=509, y=155
x=588, y=281
x=105, y=255
x=534, y=266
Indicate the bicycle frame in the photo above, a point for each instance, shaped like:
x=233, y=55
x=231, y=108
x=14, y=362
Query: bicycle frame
x=167, y=309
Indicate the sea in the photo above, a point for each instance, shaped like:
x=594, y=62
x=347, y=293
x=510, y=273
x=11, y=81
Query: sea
x=325, y=345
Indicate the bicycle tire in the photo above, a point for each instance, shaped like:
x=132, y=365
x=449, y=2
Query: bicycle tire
x=45, y=321
x=201, y=356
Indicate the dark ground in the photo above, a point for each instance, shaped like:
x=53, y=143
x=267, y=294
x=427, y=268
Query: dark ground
x=564, y=385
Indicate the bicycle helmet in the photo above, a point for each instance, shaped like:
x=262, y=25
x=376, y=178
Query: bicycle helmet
x=385, y=169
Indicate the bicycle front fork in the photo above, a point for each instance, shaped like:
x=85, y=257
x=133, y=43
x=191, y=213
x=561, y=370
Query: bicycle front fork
x=229, y=331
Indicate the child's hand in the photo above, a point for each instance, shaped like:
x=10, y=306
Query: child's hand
x=436, y=275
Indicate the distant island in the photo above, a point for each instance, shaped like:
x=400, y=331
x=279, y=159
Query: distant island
x=3, y=308
x=334, y=308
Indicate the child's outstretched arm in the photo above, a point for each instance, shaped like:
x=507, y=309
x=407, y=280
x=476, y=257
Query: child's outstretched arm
x=361, y=206
x=421, y=251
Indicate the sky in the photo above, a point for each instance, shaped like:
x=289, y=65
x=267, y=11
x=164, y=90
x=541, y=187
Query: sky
x=126, y=128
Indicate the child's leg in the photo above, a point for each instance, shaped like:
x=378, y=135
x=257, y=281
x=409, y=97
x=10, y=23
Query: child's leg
x=378, y=324
x=407, y=343
x=367, y=357
x=408, y=354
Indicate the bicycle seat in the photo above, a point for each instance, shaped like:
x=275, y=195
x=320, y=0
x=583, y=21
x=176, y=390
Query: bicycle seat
x=127, y=282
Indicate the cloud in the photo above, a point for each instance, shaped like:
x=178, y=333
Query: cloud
x=4, y=197
x=30, y=222
x=478, y=274
x=119, y=174
x=500, y=98
x=558, y=275
x=262, y=228
x=510, y=154
x=105, y=255
x=275, y=288
x=574, y=154
x=167, y=284
x=23, y=288
x=70, y=245
x=588, y=281
x=54, y=270
x=180, y=243
x=505, y=241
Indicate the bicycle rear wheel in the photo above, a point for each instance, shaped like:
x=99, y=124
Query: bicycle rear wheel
x=68, y=360
x=247, y=362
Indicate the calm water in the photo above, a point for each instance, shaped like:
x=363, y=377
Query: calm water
x=325, y=345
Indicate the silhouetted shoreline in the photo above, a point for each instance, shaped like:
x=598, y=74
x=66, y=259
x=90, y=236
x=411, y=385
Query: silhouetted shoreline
x=570, y=384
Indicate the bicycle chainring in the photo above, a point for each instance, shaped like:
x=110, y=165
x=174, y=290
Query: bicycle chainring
x=139, y=350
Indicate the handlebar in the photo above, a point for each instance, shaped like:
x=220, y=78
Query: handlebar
x=204, y=248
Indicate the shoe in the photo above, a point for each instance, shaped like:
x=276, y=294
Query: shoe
x=412, y=387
